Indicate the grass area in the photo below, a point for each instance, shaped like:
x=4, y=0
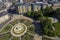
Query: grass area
x=57, y=28
x=6, y=28
x=22, y=20
x=27, y=37
x=31, y=29
x=44, y=38
x=14, y=22
x=5, y=36
x=25, y=21
x=28, y=22
x=15, y=38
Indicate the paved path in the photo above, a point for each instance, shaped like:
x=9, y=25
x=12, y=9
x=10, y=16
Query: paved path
x=54, y=20
x=37, y=37
x=3, y=25
x=11, y=38
x=4, y=10
x=57, y=38
x=31, y=34
x=20, y=38
x=4, y=33
x=21, y=17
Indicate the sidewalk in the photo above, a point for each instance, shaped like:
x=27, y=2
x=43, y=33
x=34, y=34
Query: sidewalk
x=37, y=37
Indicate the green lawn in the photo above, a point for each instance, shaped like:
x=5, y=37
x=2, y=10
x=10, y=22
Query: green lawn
x=5, y=36
x=31, y=29
x=14, y=22
x=25, y=21
x=15, y=38
x=44, y=38
x=28, y=23
x=27, y=37
x=6, y=28
x=22, y=20
x=57, y=28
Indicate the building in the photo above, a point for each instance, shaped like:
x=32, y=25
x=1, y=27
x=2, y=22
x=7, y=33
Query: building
x=34, y=6
x=11, y=1
x=23, y=7
x=28, y=1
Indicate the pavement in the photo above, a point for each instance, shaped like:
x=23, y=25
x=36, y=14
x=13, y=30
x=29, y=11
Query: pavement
x=54, y=20
x=37, y=37
x=57, y=38
x=5, y=22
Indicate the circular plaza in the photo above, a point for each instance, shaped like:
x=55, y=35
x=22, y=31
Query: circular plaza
x=19, y=30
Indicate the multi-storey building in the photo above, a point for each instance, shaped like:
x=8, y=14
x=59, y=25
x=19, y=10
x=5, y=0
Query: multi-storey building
x=27, y=1
x=11, y=1
x=23, y=8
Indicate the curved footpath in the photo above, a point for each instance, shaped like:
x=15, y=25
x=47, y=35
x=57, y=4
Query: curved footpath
x=36, y=37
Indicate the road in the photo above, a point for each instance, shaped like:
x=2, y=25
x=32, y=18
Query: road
x=4, y=12
x=1, y=25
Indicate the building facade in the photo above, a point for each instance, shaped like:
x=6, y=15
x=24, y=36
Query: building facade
x=11, y=1
x=23, y=8
x=27, y=1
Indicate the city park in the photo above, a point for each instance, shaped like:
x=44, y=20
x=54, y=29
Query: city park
x=24, y=29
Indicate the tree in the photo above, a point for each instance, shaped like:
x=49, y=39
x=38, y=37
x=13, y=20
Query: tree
x=57, y=13
x=28, y=14
x=35, y=14
x=13, y=3
x=47, y=28
x=48, y=10
x=40, y=12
